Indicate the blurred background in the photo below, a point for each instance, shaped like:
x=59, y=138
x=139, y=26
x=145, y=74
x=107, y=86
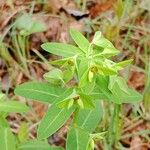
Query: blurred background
x=26, y=24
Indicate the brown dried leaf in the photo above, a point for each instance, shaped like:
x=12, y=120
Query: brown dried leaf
x=137, y=80
x=99, y=8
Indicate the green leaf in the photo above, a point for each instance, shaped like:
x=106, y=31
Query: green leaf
x=80, y=40
x=64, y=62
x=69, y=64
x=2, y=96
x=67, y=96
x=88, y=119
x=52, y=121
x=118, y=80
x=68, y=74
x=108, y=52
x=24, y=22
x=87, y=101
x=91, y=144
x=43, y=92
x=97, y=37
x=122, y=97
x=117, y=95
x=13, y=106
x=37, y=27
x=106, y=67
x=109, y=49
x=7, y=140
x=64, y=103
x=61, y=49
x=88, y=88
x=3, y=122
x=83, y=66
x=102, y=42
x=37, y=145
x=60, y=62
x=70, y=104
x=28, y=26
x=77, y=139
x=96, y=94
x=84, y=79
x=55, y=76
x=132, y=97
x=121, y=91
x=83, y=70
x=23, y=132
x=122, y=64
x=102, y=83
x=106, y=70
x=80, y=103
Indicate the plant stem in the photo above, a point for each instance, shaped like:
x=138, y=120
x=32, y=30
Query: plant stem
x=21, y=43
x=27, y=47
x=146, y=99
x=147, y=81
x=114, y=130
x=75, y=116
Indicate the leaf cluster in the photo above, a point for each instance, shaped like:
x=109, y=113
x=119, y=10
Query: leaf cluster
x=96, y=76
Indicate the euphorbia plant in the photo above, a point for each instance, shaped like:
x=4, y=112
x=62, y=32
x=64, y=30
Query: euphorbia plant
x=18, y=141
x=96, y=78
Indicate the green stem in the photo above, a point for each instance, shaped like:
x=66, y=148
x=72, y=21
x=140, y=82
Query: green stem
x=147, y=80
x=114, y=130
x=147, y=92
x=76, y=112
x=16, y=46
x=22, y=42
x=27, y=47
x=89, y=50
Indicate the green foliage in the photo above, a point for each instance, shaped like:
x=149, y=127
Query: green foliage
x=20, y=142
x=78, y=37
x=27, y=25
x=23, y=132
x=4, y=53
x=37, y=145
x=78, y=139
x=61, y=49
x=53, y=120
x=22, y=28
x=55, y=76
x=96, y=77
x=119, y=93
x=7, y=106
x=14, y=106
x=88, y=119
x=8, y=140
x=43, y=92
